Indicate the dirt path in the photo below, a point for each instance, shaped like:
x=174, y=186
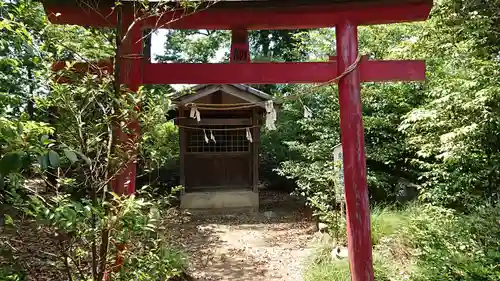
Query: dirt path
x=270, y=245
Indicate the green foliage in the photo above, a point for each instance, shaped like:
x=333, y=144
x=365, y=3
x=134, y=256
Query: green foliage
x=335, y=271
x=128, y=219
x=20, y=147
x=86, y=111
x=324, y=268
x=384, y=106
x=423, y=243
x=21, y=24
x=440, y=135
x=62, y=213
x=195, y=46
x=198, y=46
x=386, y=222
x=8, y=274
x=160, y=141
x=455, y=132
x=453, y=246
x=339, y=271
x=310, y=143
x=152, y=260
x=67, y=140
x=318, y=184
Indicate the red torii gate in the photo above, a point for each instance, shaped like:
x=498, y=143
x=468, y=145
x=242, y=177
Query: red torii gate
x=241, y=16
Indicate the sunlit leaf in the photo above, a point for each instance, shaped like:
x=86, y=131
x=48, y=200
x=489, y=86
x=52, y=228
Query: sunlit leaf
x=8, y=220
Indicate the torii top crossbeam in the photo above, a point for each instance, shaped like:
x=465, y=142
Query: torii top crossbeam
x=240, y=16
x=271, y=14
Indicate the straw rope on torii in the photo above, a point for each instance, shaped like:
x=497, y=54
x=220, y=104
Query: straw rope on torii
x=268, y=105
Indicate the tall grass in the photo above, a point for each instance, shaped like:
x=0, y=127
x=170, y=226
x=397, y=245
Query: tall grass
x=331, y=271
x=338, y=270
x=387, y=221
x=423, y=243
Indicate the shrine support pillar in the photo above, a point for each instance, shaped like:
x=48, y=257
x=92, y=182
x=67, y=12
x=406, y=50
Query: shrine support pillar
x=352, y=136
x=131, y=73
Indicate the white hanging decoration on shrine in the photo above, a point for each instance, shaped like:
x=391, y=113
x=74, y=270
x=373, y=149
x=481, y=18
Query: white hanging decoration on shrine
x=205, y=135
x=270, y=115
x=249, y=135
x=307, y=112
x=212, y=136
x=195, y=113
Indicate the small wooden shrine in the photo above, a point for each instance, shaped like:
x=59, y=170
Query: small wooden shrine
x=219, y=131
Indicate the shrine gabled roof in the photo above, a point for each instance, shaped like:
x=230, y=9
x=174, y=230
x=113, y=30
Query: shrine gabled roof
x=242, y=91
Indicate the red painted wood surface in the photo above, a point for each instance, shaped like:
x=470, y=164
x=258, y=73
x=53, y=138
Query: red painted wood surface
x=277, y=73
x=310, y=16
x=240, y=50
x=131, y=75
x=353, y=146
x=270, y=73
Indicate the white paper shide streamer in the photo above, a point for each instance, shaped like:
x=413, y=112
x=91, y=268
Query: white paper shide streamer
x=307, y=112
x=195, y=113
x=249, y=135
x=270, y=115
x=212, y=136
x=205, y=134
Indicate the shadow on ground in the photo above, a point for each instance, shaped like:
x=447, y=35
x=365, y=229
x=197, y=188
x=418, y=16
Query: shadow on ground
x=267, y=245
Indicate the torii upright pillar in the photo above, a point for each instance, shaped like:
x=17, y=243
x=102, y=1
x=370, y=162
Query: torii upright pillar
x=353, y=146
x=131, y=74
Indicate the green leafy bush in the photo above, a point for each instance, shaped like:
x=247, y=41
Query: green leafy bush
x=132, y=225
x=316, y=182
x=424, y=243
x=8, y=274
x=453, y=246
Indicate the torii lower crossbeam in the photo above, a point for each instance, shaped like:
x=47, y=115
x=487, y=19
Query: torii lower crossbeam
x=278, y=73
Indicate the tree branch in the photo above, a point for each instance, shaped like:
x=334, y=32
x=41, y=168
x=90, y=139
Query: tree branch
x=65, y=258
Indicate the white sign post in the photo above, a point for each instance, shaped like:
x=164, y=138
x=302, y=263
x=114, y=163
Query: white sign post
x=338, y=158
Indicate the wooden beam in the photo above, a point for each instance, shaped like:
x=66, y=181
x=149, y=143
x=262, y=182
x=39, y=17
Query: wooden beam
x=266, y=73
x=277, y=73
x=392, y=70
x=290, y=17
x=215, y=121
x=245, y=73
x=255, y=150
x=182, y=152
